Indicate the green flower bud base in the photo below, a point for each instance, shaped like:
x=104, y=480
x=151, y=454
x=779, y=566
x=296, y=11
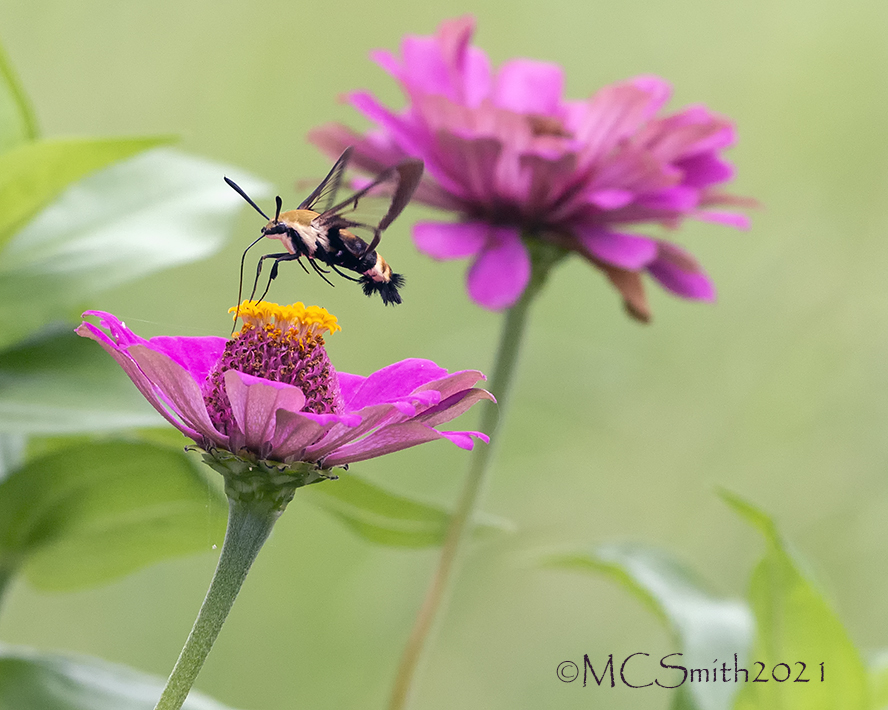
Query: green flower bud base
x=258, y=492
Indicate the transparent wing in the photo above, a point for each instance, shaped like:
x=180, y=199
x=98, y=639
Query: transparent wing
x=377, y=205
x=323, y=195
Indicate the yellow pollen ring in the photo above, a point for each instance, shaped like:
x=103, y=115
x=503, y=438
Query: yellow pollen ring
x=304, y=320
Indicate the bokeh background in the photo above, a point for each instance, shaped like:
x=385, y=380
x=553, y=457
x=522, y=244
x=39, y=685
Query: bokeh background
x=616, y=431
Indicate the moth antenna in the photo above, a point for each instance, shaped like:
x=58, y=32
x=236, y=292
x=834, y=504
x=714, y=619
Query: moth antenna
x=280, y=203
x=234, y=186
x=240, y=283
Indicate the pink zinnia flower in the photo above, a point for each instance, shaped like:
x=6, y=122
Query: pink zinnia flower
x=271, y=393
x=516, y=161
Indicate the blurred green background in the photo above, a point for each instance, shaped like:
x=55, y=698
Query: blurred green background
x=616, y=431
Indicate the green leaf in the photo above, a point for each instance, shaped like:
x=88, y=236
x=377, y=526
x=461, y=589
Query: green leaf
x=706, y=627
x=88, y=512
x=12, y=452
x=878, y=677
x=152, y=212
x=17, y=121
x=60, y=383
x=32, y=174
x=30, y=680
x=387, y=518
x=796, y=625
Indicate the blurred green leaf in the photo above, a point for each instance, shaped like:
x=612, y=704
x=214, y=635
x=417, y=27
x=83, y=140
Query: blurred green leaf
x=89, y=512
x=30, y=680
x=58, y=382
x=32, y=174
x=707, y=627
x=387, y=518
x=12, y=452
x=878, y=676
x=17, y=121
x=796, y=625
x=149, y=213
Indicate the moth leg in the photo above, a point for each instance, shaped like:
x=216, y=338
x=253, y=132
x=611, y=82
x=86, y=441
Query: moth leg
x=278, y=258
x=259, y=270
x=320, y=272
x=345, y=276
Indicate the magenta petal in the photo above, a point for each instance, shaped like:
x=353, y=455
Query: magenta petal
x=294, y=432
x=673, y=199
x=349, y=384
x=501, y=272
x=611, y=198
x=527, y=86
x=408, y=137
x=177, y=387
x=627, y=251
x=442, y=240
x=704, y=169
x=390, y=439
x=340, y=434
x=255, y=402
x=453, y=406
x=680, y=273
x=197, y=355
x=656, y=88
x=424, y=67
x=394, y=382
x=121, y=336
x=142, y=383
x=465, y=439
x=732, y=219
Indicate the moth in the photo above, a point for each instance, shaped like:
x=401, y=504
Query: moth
x=323, y=232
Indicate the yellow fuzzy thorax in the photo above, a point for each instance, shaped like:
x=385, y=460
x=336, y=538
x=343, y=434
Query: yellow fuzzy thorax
x=296, y=320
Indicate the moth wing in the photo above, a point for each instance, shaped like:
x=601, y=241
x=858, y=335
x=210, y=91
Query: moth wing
x=362, y=209
x=324, y=194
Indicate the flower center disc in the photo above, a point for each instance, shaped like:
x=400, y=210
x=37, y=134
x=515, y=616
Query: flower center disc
x=282, y=344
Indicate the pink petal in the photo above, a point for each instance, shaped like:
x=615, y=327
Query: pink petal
x=394, y=382
x=610, y=199
x=254, y=403
x=409, y=137
x=465, y=439
x=627, y=251
x=395, y=438
x=732, y=219
x=501, y=272
x=294, y=432
x=340, y=434
x=177, y=387
x=613, y=114
x=442, y=240
x=465, y=165
x=197, y=355
x=704, y=169
x=679, y=272
x=142, y=383
x=656, y=88
x=453, y=383
x=453, y=406
x=673, y=199
x=349, y=384
x=527, y=86
x=424, y=68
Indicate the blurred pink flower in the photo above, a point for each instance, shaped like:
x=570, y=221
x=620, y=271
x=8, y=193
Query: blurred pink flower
x=515, y=160
x=271, y=392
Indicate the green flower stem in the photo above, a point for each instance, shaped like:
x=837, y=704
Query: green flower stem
x=249, y=525
x=543, y=257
